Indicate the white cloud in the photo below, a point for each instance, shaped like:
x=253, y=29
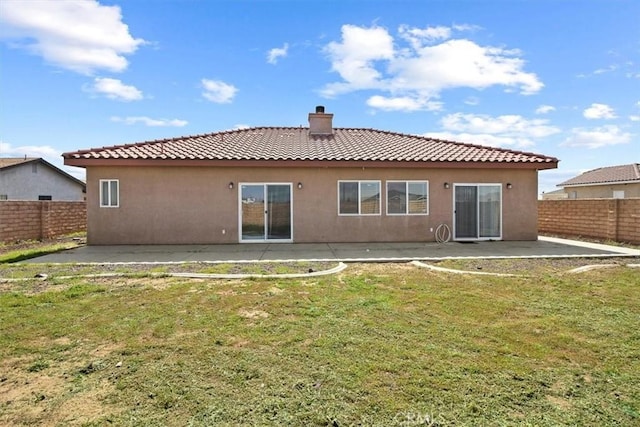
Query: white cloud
x=402, y=104
x=354, y=56
x=147, y=121
x=369, y=58
x=82, y=36
x=46, y=152
x=506, y=130
x=277, y=52
x=218, y=91
x=114, y=89
x=544, y=109
x=608, y=69
x=472, y=100
x=506, y=124
x=599, y=111
x=483, y=139
x=418, y=37
x=634, y=118
x=597, y=137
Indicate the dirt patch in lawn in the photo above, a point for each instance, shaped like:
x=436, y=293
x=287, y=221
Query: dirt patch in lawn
x=527, y=266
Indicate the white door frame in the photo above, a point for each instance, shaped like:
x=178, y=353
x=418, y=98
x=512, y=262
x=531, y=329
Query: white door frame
x=477, y=185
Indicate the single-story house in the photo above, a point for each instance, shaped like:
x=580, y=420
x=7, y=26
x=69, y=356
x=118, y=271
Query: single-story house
x=30, y=178
x=307, y=184
x=554, y=195
x=612, y=182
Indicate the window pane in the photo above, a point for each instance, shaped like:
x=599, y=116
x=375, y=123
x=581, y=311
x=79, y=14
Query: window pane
x=114, y=193
x=348, y=198
x=369, y=198
x=104, y=193
x=466, y=202
x=489, y=209
x=278, y=212
x=397, y=197
x=418, y=198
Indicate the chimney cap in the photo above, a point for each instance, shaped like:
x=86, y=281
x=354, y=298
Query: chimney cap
x=319, y=108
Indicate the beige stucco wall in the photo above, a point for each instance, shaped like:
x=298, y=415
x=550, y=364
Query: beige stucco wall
x=603, y=191
x=194, y=205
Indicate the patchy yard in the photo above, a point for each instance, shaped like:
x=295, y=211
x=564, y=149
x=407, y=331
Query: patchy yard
x=378, y=344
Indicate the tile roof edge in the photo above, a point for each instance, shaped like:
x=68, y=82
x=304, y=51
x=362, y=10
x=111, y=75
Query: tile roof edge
x=635, y=167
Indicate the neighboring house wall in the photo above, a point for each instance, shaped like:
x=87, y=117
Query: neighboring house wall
x=609, y=219
x=555, y=195
x=194, y=205
x=34, y=179
x=34, y=220
x=605, y=191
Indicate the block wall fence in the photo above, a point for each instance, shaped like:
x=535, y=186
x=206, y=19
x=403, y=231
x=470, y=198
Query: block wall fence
x=37, y=220
x=608, y=219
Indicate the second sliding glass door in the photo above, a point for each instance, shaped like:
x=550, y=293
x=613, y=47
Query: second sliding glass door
x=265, y=212
x=477, y=212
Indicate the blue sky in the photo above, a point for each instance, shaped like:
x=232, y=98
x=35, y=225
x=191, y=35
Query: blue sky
x=560, y=78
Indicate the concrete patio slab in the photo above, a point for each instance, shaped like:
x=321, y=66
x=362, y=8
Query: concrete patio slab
x=348, y=252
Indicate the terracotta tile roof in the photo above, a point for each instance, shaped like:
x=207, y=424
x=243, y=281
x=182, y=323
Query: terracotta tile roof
x=610, y=174
x=295, y=143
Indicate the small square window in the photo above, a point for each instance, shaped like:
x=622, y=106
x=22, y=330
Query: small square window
x=109, y=193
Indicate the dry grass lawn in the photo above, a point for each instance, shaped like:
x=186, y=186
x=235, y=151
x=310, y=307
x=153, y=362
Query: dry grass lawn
x=376, y=345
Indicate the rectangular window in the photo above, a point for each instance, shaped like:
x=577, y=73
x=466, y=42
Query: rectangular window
x=44, y=198
x=4, y=197
x=359, y=197
x=407, y=197
x=109, y=193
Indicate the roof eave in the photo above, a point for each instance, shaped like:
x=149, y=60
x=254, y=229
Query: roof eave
x=591, y=184
x=89, y=162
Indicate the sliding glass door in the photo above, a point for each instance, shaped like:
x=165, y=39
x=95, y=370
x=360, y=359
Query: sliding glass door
x=477, y=211
x=265, y=212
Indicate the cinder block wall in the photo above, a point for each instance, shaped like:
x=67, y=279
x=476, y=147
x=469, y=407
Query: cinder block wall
x=609, y=219
x=36, y=220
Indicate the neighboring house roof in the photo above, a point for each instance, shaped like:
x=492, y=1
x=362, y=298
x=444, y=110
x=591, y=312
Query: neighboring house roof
x=296, y=144
x=607, y=175
x=12, y=162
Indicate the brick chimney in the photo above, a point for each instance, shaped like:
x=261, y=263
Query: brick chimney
x=320, y=123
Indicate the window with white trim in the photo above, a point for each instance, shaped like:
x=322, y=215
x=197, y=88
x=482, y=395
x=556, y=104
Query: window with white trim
x=359, y=197
x=407, y=198
x=109, y=193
